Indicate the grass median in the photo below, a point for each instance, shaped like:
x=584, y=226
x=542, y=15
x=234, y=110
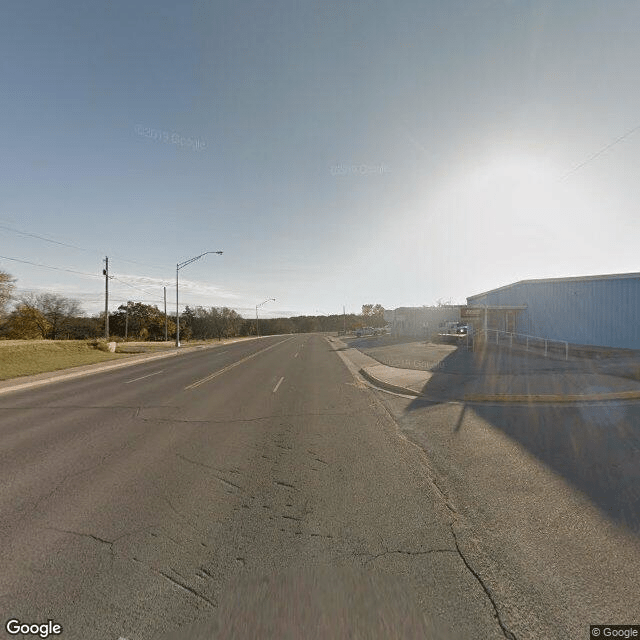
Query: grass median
x=29, y=357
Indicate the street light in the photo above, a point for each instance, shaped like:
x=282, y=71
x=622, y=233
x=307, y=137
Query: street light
x=178, y=267
x=259, y=305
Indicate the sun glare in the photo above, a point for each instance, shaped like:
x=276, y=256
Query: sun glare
x=507, y=215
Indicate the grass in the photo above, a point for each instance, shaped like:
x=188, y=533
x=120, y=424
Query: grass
x=28, y=357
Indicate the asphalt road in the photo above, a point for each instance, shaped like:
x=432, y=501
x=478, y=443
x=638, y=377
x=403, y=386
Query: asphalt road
x=262, y=490
x=546, y=505
x=257, y=490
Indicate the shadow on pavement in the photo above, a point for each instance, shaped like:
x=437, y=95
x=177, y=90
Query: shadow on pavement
x=594, y=446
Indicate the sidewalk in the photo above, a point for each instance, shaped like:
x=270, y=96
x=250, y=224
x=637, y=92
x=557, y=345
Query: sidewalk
x=444, y=373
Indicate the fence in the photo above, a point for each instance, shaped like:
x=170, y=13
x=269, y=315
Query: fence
x=495, y=336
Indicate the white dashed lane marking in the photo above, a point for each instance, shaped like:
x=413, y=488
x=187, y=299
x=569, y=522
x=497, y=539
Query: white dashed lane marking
x=143, y=377
x=279, y=383
x=215, y=374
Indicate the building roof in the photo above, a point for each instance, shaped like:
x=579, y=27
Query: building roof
x=612, y=276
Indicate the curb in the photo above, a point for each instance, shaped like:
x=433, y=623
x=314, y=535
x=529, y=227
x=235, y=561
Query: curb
x=388, y=385
x=85, y=372
x=504, y=398
x=58, y=376
x=554, y=398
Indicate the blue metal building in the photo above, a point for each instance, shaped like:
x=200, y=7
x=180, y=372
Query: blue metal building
x=590, y=310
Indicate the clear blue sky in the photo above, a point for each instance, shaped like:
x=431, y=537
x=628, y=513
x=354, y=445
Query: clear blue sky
x=339, y=153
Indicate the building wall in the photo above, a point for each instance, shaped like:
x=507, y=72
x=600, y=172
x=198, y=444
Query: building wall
x=420, y=322
x=599, y=310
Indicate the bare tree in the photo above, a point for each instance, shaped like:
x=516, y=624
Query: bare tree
x=6, y=291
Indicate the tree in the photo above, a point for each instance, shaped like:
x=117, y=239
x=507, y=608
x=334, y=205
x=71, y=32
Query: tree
x=373, y=314
x=143, y=321
x=6, y=291
x=83, y=328
x=213, y=322
x=58, y=311
x=27, y=323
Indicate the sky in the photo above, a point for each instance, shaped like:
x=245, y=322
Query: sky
x=399, y=153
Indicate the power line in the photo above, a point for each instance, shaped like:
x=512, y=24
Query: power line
x=133, y=286
x=47, y=266
x=68, y=270
x=74, y=246
x=599, y=153
x=39, y=237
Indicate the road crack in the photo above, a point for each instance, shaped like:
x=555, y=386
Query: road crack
x=431, y=476
x=485, y=587
x=82, y=534
x=215, y=475
x=285, y=484
x=186, y=587
x=420, y=552
x=241, y=420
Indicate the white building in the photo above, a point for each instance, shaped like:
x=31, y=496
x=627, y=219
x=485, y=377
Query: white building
x=420, y=322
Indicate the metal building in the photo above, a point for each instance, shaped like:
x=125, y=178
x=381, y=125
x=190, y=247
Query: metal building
x=591, y=310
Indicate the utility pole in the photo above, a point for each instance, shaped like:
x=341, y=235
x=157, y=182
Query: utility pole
x=165, y=314
x=344, y=316
x=105, y=272
x=177, y=310
x=126, y=321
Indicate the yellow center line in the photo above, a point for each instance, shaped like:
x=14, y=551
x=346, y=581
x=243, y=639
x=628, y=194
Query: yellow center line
x=197, y=383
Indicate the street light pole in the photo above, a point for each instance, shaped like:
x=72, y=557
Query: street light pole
x=259, y=305
x=179, y=266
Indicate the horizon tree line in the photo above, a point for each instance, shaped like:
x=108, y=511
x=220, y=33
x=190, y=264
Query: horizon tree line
x=54, y=317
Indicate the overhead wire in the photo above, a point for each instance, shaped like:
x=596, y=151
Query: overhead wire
x=60, y=243
x=74, y=246
x=48, y=266
x=128, y=284
x=599, y=153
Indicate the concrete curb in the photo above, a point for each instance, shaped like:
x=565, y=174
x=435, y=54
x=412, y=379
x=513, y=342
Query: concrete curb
x=504, y=398
x=554, y=398
x=386, y=385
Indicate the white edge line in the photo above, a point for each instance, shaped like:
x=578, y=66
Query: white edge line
x=279, y=382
